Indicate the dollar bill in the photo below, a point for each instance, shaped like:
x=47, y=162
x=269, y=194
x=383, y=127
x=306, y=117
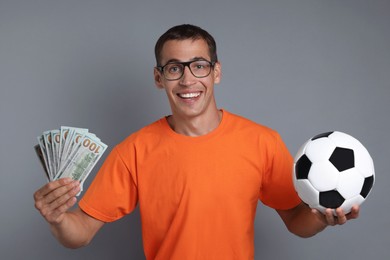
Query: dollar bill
x=39, y=153
x=64, y=132
x=49, y=152
x=71, y=142
x=55, y=142
x=42, y=153
x=69, y=152
x=80, y=163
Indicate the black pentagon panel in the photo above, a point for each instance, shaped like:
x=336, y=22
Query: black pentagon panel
x=368, y=183
x=322, y=135
x=302, y=167
x=342, y=158
x=331, y=199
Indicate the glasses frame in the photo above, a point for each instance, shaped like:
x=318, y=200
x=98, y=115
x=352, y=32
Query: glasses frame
x=185, y=64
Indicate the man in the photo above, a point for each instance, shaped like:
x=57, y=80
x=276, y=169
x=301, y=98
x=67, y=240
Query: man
x=197, y=174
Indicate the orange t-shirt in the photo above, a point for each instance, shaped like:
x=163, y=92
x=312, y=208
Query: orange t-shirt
x=197, y=195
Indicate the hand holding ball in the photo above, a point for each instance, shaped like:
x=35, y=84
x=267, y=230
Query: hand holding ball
x=333, y=170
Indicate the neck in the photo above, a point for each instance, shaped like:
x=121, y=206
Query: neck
x=195, y=126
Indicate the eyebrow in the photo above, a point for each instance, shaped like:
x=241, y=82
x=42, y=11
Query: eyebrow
x=193, y=59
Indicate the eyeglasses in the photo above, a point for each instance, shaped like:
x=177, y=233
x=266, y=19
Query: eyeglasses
x=175, y=70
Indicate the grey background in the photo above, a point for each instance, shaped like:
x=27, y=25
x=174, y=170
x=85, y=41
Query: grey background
x=301, y=67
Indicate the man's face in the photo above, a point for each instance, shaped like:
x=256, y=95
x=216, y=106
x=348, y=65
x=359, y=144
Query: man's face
x=188, y=96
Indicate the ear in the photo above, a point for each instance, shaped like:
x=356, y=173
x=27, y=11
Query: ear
x=217, y=72
x=158, y=78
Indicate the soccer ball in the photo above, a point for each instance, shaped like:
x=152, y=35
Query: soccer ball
x=333, y=170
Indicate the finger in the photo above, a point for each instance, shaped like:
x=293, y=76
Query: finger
x=57, y=214
x=355, y=211
x=64, y=198
x=60, y=191
x=43, y=203
x=320, y=216
x=317, y=213
x=43, y=191
x=341, y=217
x=51, y=212
x=330, y=218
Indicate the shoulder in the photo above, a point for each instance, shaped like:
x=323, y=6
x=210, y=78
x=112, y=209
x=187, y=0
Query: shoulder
x=240, y=123
x=148, y=134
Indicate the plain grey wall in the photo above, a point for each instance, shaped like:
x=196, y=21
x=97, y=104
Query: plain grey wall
x=301, y=67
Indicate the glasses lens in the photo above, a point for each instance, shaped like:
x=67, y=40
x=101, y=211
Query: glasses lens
x=200, y=68
x=173, y=70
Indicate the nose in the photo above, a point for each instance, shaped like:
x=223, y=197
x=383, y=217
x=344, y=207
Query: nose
x=188, y=78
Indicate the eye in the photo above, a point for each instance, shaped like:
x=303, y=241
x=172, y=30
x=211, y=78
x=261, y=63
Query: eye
x=199, y=65
x=173, y=68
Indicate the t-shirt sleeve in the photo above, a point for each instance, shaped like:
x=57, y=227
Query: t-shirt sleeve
x=277, y=189
x=113, y=192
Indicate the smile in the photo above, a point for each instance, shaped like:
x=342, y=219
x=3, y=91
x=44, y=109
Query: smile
x=189, y=95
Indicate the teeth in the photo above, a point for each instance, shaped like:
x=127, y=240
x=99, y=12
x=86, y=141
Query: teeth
x=190, y=95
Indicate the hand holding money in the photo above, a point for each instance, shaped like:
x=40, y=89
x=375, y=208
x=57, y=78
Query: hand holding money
x=55, y=198
x=69, y=152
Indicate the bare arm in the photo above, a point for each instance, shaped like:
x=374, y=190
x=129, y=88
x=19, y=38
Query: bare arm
x=305, y=222
x=74, y=228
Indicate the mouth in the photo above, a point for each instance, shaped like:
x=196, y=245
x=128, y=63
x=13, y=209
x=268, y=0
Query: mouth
x=190, y=95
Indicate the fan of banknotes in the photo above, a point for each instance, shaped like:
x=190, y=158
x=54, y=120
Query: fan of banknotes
x=69, y=152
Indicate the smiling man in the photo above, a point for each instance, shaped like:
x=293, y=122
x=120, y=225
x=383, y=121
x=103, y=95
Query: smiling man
x=196, y=174
x=188, y=77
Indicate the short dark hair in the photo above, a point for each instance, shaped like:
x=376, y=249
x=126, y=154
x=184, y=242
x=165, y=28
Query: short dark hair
x=184, y=32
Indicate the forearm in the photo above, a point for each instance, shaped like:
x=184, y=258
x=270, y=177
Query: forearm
x=302, y=222
x=305, y=222
x=74, y=230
